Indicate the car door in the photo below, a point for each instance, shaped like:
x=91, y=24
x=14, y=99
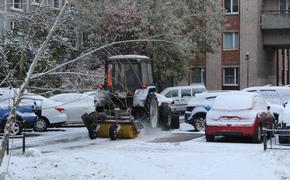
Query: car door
x=73, y=107
x=185, y=96
x=174, y=94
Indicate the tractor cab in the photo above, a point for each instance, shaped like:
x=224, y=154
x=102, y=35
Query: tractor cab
x=125, y=74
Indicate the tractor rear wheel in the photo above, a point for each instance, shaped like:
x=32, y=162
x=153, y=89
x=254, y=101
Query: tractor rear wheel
x=165, y=116
x=151, y=108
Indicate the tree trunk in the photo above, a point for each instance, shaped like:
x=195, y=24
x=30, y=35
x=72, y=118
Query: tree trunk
x=11, y=117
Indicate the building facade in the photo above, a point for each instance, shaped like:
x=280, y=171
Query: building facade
x=254, y=47
x=11, y=9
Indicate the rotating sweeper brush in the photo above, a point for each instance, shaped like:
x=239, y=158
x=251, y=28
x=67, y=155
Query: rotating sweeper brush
x=113, y=127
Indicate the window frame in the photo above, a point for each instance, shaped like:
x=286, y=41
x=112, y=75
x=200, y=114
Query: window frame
x=35, y=3
x=201, y=72
x=234, y=34
x=12, y=25
x=184, y=90
x=236, y=76
x=59, y=4
x=171, y=93
x=232, y=7
x=12, y=6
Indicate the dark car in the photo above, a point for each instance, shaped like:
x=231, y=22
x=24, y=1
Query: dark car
x=26, y=117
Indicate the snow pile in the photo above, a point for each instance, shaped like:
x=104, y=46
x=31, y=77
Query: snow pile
x=31, y=152
x=140, y=159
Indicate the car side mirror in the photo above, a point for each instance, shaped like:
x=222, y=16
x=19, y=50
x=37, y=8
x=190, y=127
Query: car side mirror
x=285, y=103
x=268, y=108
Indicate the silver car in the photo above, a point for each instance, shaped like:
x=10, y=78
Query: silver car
x=182, y=95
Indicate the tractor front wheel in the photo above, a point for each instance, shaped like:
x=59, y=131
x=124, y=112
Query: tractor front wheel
x=93, y=131
x=113, y=132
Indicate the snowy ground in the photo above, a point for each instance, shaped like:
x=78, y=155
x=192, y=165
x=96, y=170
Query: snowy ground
x=69, y=154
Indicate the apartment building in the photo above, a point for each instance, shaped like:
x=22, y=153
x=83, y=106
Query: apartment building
x=11, y=9
x=254, y=47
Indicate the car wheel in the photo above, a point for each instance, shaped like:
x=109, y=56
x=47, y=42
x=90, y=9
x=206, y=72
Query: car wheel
x=199, y=122
x=209, y=138
x=113, y=132
x=17, y=128
x=175, y=124
x=165, y=116
x=284, y=137
x=93, y=134
x=257, y=138
x=283, y=140
x=41, y=125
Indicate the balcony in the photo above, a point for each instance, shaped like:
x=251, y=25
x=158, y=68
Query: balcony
x=271, y=20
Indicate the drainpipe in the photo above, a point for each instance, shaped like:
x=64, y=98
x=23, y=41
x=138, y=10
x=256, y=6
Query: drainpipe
x=5, y=14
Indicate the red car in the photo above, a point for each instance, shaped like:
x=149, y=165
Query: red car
x=238, y=114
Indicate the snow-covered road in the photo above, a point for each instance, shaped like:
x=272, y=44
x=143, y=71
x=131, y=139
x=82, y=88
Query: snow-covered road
x=70, y=154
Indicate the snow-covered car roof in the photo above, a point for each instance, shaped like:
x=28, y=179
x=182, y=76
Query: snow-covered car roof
x=129, y=56
x=198, y=87
x=267, y=88
x=205, y=95
x=234, y=101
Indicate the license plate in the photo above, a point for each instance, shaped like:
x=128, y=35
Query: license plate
x=229, y=119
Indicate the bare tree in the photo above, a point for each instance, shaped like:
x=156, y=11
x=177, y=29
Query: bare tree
x=17, y=100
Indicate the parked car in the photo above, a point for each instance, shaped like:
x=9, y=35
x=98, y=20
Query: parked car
x=26, y=117
x=99, y=95
x=276, y=96
x=284, y=118
x=8, y=93
x=238, y=114
x=198, y=107
x=52, y=112
x=182, y=95
x=75, y=105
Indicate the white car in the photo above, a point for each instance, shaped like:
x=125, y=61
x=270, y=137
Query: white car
x=75, y=105
x=275, y=96
x=182, y=94
x=8, y=93
x=52, y=112
x=284, y=118
x=198, y=107
x=98, y=95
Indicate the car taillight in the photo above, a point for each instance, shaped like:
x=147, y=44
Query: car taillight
x=144, y=86
x=60, y=109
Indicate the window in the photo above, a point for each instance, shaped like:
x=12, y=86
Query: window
x=17, y=4
x=172, y=93
x=231, y=40
x=231, y=6
x=56, y=4
x=284, y=6
x=198, y=75
x=185, y=93
x=12, y=25
x=231, y=76
x=36, y=2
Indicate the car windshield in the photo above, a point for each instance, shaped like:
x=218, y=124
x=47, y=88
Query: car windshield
x=233, y=102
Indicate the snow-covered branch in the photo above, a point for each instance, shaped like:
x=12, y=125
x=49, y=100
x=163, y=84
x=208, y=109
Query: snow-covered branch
x=101, y=48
